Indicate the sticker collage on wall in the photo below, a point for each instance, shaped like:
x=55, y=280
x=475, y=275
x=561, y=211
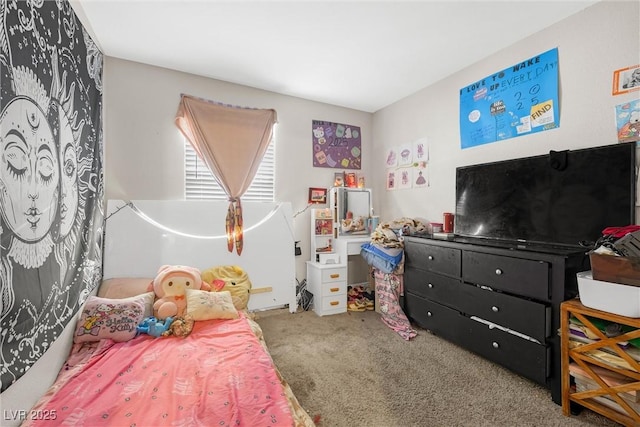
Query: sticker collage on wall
x=336, y=145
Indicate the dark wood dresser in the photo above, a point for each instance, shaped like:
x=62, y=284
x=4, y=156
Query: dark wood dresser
x=498, y=301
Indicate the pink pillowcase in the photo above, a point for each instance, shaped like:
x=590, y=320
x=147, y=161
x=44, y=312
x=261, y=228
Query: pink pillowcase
x=116, y=319
x=124, y=287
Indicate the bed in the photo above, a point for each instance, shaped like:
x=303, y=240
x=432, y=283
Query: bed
x=219, y=374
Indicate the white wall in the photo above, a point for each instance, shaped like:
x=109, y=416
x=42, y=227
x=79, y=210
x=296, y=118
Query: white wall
x=591, y=45
x=144, y=149
x=143, y=145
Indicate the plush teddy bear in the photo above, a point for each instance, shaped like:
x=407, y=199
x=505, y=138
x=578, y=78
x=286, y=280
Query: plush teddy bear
x=170, y=286
x=180, y=327
x=230, y=278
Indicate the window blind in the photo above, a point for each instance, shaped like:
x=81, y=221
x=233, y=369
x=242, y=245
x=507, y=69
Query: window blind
x=201, y=185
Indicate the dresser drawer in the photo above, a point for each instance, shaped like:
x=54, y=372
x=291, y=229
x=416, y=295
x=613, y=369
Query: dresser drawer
x=442, y=321
x=519, y=276
x=524, y=357
x=333, y=274
x=437, y=259
x=331, y=304
x=442, y=289
x=333, y=288
x=521, y=315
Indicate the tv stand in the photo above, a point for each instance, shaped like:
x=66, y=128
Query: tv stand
x=501, y=303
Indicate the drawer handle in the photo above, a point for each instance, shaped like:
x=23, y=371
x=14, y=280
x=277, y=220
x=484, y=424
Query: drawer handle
x=430, y=257
x=335, y=276
x=498, y=271
x=334, y=289
x=495, y=345
x=429, y=314
x=334, y=302
x=495, y=309
x=430, y=285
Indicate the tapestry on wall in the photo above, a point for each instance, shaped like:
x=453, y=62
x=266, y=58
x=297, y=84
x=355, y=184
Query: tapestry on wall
x=51, y=184
x=519, y=100
x=336, y=145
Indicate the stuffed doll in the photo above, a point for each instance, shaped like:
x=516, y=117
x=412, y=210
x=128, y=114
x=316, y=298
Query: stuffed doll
x=170, y=286
x=230, y=278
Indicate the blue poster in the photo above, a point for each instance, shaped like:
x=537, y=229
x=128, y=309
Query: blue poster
x=516, y=101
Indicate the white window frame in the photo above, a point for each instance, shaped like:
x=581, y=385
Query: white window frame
x=200, y=183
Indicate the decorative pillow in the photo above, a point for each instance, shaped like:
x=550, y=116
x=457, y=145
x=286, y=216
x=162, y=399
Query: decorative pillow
x=124, y=287
x=204, y=305
x=116, y=319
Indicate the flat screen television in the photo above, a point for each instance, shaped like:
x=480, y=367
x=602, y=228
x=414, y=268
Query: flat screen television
x=562, y=198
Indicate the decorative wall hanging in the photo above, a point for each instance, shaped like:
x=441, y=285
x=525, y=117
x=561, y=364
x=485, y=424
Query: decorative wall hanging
x=317, y=195
x=516, y=101
x=51, y=183
x=407, y=165
x=336, y=145
x=628, y=121
x=626, y=80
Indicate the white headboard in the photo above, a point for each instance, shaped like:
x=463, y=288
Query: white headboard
x=142, y=235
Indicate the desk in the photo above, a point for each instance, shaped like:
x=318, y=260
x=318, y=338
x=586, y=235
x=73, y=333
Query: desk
x=349, y=250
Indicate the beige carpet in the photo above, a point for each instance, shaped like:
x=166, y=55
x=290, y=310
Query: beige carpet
x=352, y=370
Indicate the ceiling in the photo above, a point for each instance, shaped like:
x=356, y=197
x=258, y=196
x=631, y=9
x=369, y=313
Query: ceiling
x=363, y=55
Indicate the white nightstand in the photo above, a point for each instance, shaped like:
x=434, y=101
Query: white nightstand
x=328, y=284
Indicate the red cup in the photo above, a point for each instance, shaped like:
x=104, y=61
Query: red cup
x=447, y=222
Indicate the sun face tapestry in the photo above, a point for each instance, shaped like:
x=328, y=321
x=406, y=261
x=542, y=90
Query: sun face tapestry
x=51, y=184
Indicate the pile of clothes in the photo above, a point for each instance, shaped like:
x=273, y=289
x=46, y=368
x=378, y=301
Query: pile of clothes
x=385, y=254
x=386, y=250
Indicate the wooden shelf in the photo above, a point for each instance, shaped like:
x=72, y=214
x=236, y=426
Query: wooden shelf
x=321, y=233
x=585, y=356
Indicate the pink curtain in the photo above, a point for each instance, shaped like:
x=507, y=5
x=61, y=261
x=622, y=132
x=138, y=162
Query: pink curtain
x=231, y=141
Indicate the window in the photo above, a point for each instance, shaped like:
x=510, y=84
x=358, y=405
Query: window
x=201, y=185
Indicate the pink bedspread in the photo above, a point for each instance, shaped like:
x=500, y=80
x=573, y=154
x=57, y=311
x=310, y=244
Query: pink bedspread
x=219, y=375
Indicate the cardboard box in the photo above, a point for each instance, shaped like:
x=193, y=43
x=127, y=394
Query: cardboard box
x=610, y=297
x=615, y=269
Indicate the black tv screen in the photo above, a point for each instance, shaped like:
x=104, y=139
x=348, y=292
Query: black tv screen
x=561, y=198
